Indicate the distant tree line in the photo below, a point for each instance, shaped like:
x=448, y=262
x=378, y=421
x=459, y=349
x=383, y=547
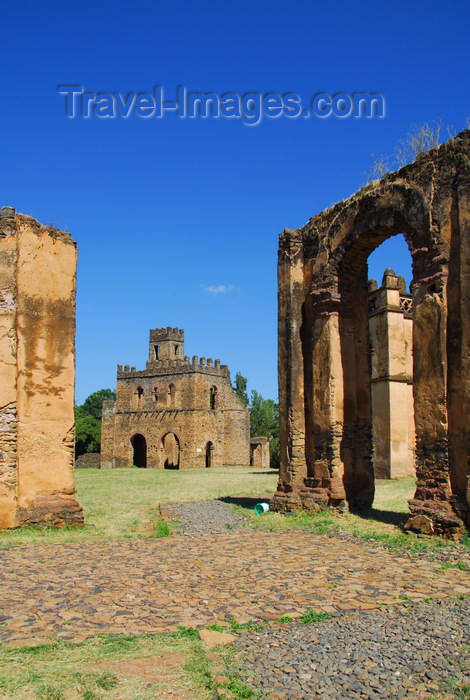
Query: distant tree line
x=88, y=421
x=264, y=416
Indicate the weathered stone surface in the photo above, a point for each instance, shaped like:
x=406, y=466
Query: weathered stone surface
x=37, y=373
x=260, y=457
x=88, y=460
x=324, y=362
x=214, y=639
x=420, y=523
x=175, y=414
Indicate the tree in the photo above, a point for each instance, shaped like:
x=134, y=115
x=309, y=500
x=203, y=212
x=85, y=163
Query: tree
x=88, y=422
x=94, y=403
x=240, y=388
x=264, y=421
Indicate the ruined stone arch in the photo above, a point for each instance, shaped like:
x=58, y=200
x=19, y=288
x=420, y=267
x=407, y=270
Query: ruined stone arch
x=165, y=433
x=170, y=446
x=324, y=364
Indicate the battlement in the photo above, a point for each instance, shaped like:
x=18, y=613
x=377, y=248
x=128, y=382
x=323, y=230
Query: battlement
x=168, y=333
x=176, y=366
x=166, y=357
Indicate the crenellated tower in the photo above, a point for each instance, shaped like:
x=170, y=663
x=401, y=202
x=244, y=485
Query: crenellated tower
x=166, y=344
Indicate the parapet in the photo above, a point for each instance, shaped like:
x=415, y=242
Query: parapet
x=168, y=333
x=176, y=366
x=391, y=296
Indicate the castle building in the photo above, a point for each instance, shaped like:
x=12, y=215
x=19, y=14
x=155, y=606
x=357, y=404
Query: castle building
x=174, y=414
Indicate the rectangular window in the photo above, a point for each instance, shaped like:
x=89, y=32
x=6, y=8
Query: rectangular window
x=156, y=352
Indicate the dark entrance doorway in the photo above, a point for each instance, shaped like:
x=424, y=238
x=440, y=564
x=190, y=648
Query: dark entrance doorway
x=139, y=444
x=209, y=448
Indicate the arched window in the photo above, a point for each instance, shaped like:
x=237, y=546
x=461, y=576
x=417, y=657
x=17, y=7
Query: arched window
x=171, y=395
x=140, y=396
x=213, y=392
x=155, y=393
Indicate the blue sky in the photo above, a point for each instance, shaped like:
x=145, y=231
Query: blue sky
x=177, y=220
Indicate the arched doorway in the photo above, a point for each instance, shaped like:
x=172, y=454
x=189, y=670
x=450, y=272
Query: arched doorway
x=171, y=451
x=139, y=445
x=209, y=448
x=390, y=308
x=367, y=387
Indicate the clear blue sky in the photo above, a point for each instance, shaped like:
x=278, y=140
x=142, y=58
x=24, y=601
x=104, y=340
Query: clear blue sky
x=163, y=209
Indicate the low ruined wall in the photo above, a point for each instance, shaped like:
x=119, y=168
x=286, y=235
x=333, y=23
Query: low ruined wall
x=90, y=460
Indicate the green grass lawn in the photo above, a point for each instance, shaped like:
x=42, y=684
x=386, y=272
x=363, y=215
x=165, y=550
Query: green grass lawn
x=124, y=503
x=115, y=667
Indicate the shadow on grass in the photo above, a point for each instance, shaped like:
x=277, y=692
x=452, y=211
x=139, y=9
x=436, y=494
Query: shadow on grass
x=383, y=516
x=271, y=471
x=244, y=502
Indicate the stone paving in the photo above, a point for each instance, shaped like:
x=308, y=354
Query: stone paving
x=73, y=591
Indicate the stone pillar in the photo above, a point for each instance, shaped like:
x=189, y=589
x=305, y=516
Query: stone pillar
x=37, y=367
x=433, y=492
x=356, y=445
x=291, y=298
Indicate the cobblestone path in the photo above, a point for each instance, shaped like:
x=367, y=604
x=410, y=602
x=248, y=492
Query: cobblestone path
x=74, y=591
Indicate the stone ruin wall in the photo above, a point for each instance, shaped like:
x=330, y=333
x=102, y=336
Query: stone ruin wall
x=260, y=456
x=324, y=363
x=37, y=373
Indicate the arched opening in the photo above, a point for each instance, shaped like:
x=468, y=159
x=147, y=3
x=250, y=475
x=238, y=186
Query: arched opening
x=172, y=396
x=213, y=398
x=376, y=354
x=139, y=445
x=390, y=312
x=139, y=392
x=209, y=448
x=171, y=451
x=377, y=384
